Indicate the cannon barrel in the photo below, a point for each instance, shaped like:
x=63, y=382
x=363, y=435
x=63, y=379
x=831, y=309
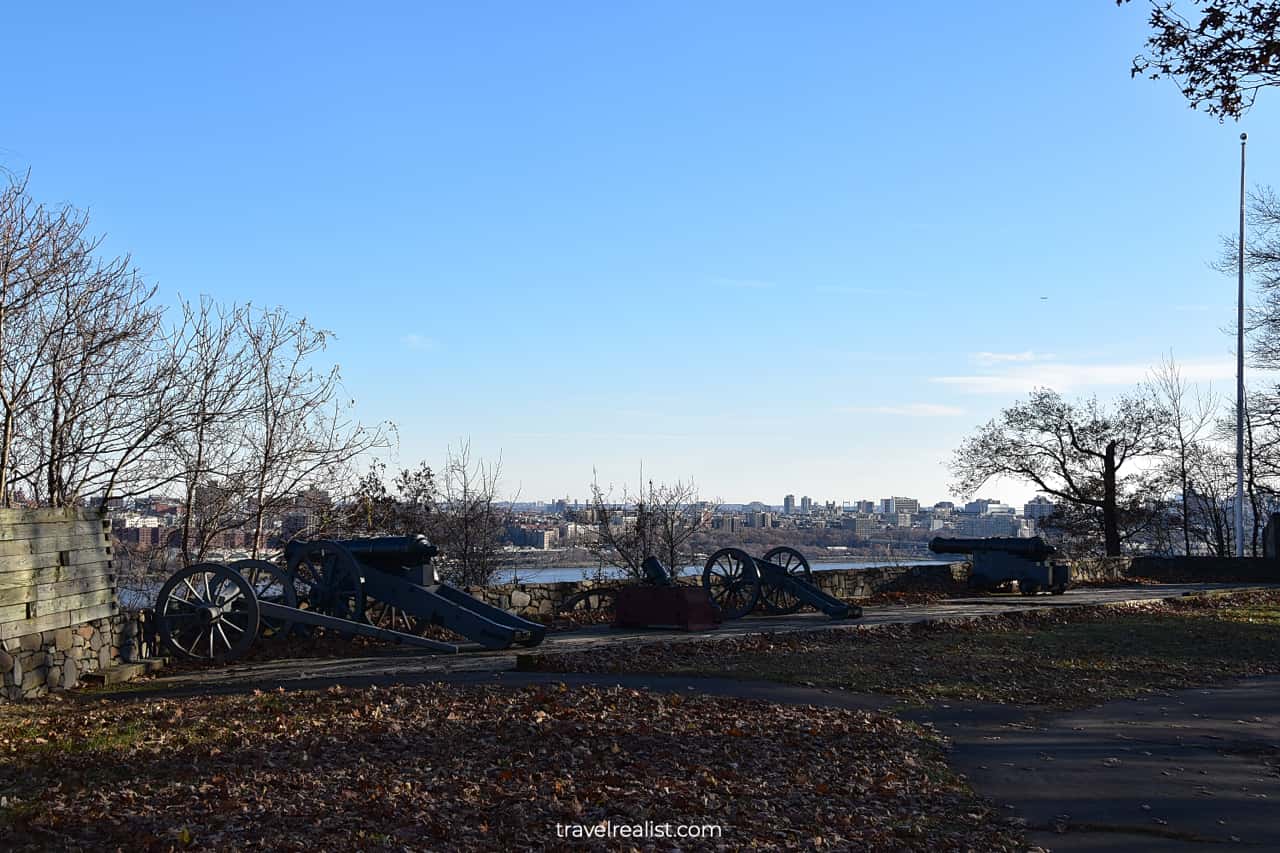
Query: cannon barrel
x=1033, y=548
x=391, y=552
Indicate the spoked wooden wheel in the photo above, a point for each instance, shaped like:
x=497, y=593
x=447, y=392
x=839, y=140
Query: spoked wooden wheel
x=591, y=599
x=776, y=599
x=383, y=615
x=731, y=579
x=329, y=579
x=207, y=612
x=270, y=583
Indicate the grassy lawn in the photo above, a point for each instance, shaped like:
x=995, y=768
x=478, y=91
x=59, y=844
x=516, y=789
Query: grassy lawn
x=448, y=768
x=1068, y=659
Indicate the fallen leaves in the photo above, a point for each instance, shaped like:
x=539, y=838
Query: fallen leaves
x=475, y=769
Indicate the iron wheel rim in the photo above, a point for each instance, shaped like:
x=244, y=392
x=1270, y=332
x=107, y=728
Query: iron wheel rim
x=776, y=599
x=731, y=579
x=271, y=584
x=207, y=612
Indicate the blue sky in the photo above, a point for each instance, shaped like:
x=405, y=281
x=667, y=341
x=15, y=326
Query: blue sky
x=773, y=247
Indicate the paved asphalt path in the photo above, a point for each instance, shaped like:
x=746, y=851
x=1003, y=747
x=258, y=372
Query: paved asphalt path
x=1190, y=770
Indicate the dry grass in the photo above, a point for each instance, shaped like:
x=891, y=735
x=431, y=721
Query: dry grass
x=1064, y=659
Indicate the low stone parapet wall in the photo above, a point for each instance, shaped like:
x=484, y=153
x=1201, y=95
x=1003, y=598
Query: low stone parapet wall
x=60, y=658
x=1261, y=569
x=532, y=600
x=1100, y=568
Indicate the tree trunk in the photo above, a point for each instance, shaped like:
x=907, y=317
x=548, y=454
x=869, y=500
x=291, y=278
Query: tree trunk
x=1251, y=488
x=1110, y=519
x=6, y=436
x=1186, y=514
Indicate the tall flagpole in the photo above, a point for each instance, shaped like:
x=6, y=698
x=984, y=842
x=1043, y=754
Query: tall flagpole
x=1240, y=365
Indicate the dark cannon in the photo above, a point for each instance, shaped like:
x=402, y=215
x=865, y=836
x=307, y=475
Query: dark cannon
x=382, y=587
x=998, y=562
x=781, y=581
x=734, y=584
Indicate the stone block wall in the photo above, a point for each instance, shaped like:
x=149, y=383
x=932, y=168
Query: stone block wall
x=1174, y=569
x=1100, y=568
x=1258, y=569
x=60, y=658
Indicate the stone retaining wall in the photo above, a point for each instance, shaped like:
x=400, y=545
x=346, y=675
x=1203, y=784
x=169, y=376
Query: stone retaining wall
x=1260, y=569
x=1100, y=568
x=60, y=658
x=532, y=600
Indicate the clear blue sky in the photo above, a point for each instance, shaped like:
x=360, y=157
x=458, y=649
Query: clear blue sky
x=775, y=247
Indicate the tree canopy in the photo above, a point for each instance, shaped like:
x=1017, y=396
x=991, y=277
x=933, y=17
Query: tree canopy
x=1077, y=452
x=1220, y=52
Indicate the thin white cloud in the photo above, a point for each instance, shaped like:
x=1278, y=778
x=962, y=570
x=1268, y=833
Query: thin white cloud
x=859, y=291
x=990, y=358
x=742, y=283
x=1064, y=377
x=417, y=342
x=909, y=410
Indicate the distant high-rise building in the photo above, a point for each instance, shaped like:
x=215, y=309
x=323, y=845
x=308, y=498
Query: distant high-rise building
x=789, y=505
x=981, y=505
x=905, y=504
x=806, y=505
x=981, y=526
x=865, y=507
x=1038, y=507
x=866, y=526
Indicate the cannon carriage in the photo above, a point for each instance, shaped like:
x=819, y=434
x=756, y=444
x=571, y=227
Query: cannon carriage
x=781, y=582
x=383, y=587
x=999, y=562
x=733, y=584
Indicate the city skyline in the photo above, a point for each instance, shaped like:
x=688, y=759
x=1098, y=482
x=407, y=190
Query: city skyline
x=637, y=240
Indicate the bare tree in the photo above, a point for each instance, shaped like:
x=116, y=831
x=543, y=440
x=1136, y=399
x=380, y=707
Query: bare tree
x=1261, y=457
x=469, y=522
x=298, y=428
x=663, y=521
x=1262, y=259
x=213, y=361
x=84, y=390
x=1211, y=485
x=1079, y=453
x=1190, y=420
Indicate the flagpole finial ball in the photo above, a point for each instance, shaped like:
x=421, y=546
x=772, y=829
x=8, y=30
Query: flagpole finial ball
x=1243, y=137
